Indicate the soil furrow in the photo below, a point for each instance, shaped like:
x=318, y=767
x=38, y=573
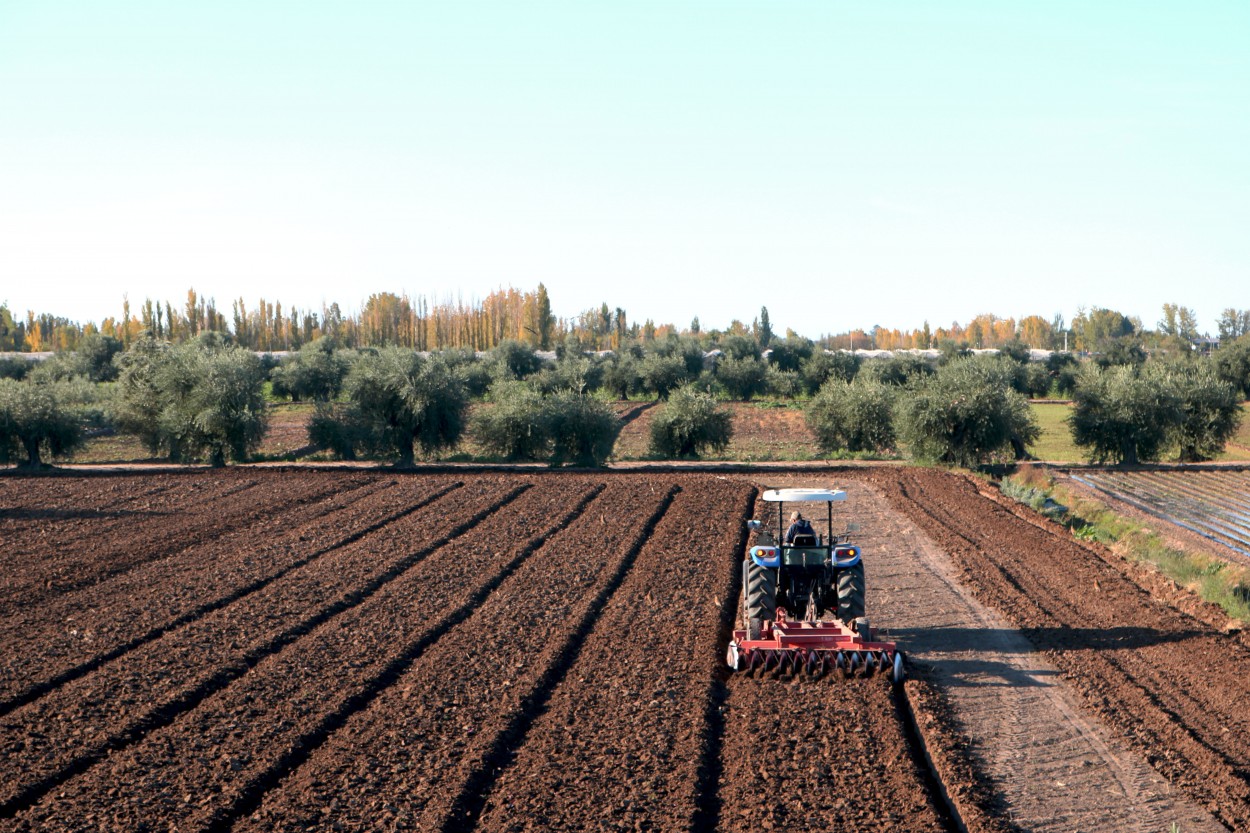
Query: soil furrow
x=285, y=702
x=49, y=498
x=648, y=666
x=359, y=650
x=85, y=509
x=404, y=760
x=78, y=635
x=55, y=572
x=829, y=754
x=77, y=725
x=85, y=517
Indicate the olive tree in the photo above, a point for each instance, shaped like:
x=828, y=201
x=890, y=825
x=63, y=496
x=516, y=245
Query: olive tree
x=513, y=360
x=407, y=402
x=742, y=378
x=91, y=360
x=574, y=372
x=691, y=423
x=898, y=370
x=315, y=372
x=824, y=365
x=583, y=430
x=1123, y=414
x=202, y=398
x=227, y=411
x=1126, y=414
x=855, y=416
x=622, y=376
x=661, y=374
x=36, y=420
x=567, y=426
x=472, y=372
x=214, y=403
x=1232, y=364
x=14, y=367
x=1210, y=413
x=790, y=353
x=514, y=426
x=967, y=414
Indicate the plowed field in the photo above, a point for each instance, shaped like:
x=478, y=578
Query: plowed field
x=318, y=650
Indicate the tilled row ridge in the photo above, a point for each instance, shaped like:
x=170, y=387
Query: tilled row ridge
x=406, y=758
x=623, y=737
x=57, y=567
x=72, y=632
x=76, y=726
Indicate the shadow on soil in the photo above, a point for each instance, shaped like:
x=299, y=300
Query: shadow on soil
x=935, y=644
x=75, y=514
x=1001, y=640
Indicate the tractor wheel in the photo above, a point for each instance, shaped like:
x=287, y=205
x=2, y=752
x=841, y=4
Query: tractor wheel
x=759, y=596
x=851, y=593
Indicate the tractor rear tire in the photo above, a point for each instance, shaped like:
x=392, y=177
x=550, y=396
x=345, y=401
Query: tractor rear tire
x=851, y=593
x=759, y=590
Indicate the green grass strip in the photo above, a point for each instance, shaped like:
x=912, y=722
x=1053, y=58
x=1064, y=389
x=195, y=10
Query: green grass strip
x=1212, y=579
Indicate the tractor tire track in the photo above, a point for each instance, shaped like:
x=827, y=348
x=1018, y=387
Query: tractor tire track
x=1158, y=675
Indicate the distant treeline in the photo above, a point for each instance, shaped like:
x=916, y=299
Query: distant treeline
x=418, y=322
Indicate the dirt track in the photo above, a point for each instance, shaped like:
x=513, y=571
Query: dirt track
x=529, y=652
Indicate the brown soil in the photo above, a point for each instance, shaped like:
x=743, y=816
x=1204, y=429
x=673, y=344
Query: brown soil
x=1169, y=685
x=766, y=432
x=365, y=650
x=760, y=432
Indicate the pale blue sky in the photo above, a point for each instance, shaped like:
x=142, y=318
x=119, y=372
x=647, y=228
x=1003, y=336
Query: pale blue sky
x=845, y=164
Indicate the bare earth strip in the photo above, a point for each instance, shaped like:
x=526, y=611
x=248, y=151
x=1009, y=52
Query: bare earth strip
x=1056, y=767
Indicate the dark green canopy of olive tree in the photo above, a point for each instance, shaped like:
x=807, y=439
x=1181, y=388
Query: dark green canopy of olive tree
x=203, y=398
x=689, y=424
x=967, y=414
x=856, y=416
x=407, y=402
x=1127, y=414
x=36, y=419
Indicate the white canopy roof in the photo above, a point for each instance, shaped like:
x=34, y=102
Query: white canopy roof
x=804, y=495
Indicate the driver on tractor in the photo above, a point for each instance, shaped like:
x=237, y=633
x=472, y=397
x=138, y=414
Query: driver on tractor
x=799, y=526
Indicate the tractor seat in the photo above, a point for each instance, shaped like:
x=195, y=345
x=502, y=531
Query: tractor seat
x=803, y=541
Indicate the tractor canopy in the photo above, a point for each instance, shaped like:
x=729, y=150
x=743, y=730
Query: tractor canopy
x=804, y=495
